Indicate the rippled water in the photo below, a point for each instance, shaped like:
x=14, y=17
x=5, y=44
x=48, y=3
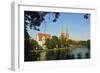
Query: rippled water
x=79, y=53
x=64, y=54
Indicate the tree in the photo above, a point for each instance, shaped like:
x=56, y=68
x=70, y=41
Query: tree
x=83, y=43
x=70, y=42
x=86, y=16
x=52, y=43
x=34, y=44
x=48, y=43
x=55, y=41
x=33, y=20
x=88, y=44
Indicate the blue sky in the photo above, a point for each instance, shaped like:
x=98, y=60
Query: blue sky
x=74, y=23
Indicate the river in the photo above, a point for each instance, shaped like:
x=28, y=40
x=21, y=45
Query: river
x=64, y=54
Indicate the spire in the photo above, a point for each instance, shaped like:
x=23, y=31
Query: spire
x=62, y=28
x=67, y=29
x=64, y=32
x=67, y=33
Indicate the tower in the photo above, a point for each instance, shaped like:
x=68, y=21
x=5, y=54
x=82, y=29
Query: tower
x=64, y=33
x=67, y=33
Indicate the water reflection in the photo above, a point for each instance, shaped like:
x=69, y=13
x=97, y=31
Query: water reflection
x=81, y=53
x=77, y=53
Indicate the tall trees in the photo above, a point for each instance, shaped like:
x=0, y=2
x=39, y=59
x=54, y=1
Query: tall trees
x=52, y=43
x=48, y=43
x=88, y=44
x=33, y=20
x=55, y=41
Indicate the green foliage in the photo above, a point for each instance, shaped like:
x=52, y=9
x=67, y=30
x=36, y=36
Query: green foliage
x=52, y=43
x=48, y=43
x=61, y=42
x=70, y=42
x=55, y=41
x=35, y=45
x=83, y=42
x=88, y=44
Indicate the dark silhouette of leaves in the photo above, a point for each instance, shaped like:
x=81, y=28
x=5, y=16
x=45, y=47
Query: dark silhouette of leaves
x=33, y=19
x=86, y=16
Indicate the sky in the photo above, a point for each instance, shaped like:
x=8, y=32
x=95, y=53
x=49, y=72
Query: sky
x=74, y=23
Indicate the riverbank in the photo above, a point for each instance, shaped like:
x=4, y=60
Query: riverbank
x=56, y=49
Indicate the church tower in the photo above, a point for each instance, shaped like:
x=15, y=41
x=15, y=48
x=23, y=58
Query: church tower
x=64, y=33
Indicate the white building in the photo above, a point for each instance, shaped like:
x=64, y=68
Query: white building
x=40, y=38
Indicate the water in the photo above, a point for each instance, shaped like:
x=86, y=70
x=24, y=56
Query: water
x=81, y=53
x=62, y=54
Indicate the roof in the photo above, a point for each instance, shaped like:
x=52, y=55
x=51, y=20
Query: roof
x=42, y=35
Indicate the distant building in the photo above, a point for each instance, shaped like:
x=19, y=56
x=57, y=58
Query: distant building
x=40, y=38
x=64, y=34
